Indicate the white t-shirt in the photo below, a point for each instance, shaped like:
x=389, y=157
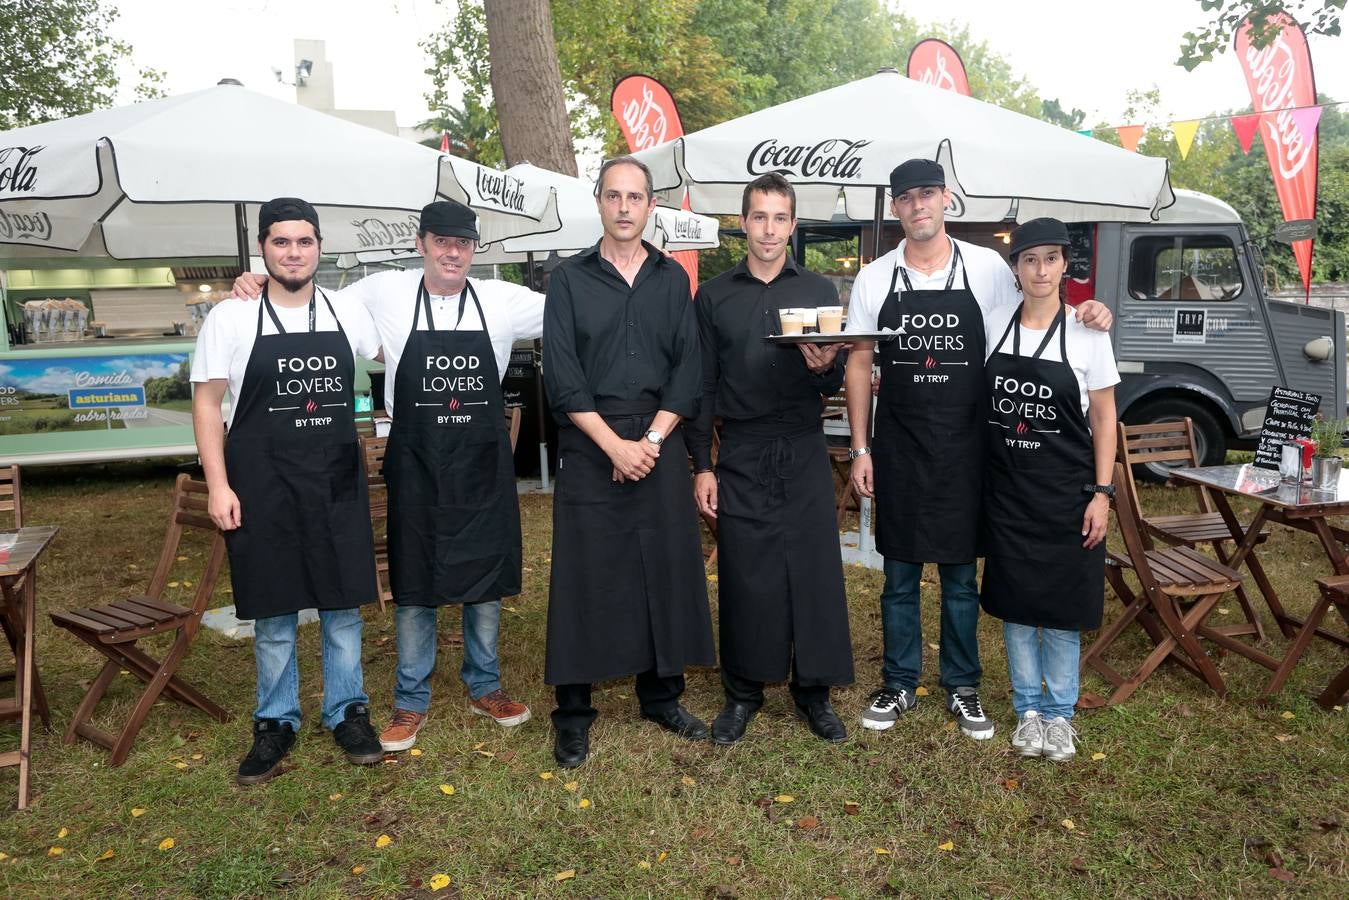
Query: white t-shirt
x=1089, y=351
x=225, y=341
x=990, y=280
x=513, y=313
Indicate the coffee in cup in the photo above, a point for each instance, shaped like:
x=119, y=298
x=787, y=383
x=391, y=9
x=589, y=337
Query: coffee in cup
x=791, y=322
x=808, y=319
x=830, y=319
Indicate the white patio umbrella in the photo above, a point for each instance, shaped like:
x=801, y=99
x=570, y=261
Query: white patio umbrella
x=162, y=179
x=667, y=229
x=848, y=138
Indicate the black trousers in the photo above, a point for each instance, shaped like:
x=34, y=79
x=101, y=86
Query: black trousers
x=746, y=690
x=655, y=695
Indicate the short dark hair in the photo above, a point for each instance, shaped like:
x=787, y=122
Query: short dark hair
x=768, y=183
x=625, y=161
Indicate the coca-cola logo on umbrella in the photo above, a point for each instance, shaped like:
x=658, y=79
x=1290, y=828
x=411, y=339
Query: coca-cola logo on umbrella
x=17, y=226
x=833, y=159
x=502, y=189
x=376, y=233
x=18, y=170
x=688, y=229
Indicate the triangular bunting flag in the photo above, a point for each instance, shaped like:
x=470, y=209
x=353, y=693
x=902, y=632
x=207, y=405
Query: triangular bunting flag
x=1129, y=136
x=1245, y=127
x=444, y=142
x=1086, y=132
x=1306, y=119
x=1184, y=132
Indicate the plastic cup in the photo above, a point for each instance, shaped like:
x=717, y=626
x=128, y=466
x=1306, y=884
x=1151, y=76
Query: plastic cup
x=791, y=322
x=830, y=319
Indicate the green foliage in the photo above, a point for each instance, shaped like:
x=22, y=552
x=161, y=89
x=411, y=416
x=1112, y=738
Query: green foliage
x=1328, y=435
x=60, y=60
x=1315, y=17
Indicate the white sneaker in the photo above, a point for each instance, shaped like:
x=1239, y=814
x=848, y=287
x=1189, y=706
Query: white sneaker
x=1058, y=742
x=1029, y=737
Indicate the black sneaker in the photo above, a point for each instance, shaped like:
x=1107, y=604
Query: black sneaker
x=963, y=703
x=272, y=740
x=357, y=738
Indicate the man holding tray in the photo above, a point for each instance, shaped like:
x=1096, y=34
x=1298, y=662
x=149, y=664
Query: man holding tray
x=771, y=490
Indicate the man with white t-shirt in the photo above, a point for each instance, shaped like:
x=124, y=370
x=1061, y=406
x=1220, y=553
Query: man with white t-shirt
x=454, y=520
x=286, y=483
x=929, y=441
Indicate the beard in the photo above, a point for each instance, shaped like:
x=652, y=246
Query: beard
x=288, y=282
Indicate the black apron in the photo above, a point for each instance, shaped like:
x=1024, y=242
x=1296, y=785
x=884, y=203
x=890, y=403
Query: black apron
x=1036, y=571
x=628, y=592
x=780, y=584
x=454, y=520
x=293, y=460
x=929, y=435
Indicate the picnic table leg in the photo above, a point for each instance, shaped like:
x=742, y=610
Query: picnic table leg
x=25, y=670
x=1296, y=650
x=1335, y=692
x=1245, y=553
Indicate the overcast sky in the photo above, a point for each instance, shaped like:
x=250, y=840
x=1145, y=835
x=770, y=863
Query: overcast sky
x=1089, y=54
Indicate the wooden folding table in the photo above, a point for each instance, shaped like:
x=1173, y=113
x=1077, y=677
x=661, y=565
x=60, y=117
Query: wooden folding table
x=19, y=552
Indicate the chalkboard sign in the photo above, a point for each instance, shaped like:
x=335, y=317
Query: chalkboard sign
x=1083, y=251
x=1288, y=417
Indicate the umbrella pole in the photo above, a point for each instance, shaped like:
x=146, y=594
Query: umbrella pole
x=241, y=230
x=864, y=539
x=532, y=283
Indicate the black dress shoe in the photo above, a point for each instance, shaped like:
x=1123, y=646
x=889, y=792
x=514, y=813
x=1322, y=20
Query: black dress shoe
x=680, y=721
x=571, y=747
x=730, y=724
x=823, y=721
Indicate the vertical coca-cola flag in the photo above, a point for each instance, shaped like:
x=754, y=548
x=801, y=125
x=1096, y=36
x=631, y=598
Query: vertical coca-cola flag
x=1280, y=79
x=937, y=63
x=647, y=116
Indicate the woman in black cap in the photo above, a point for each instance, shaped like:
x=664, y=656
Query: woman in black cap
x=1047, y=493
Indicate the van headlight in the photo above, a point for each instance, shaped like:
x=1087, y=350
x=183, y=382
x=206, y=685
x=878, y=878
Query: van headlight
x=1319, y=349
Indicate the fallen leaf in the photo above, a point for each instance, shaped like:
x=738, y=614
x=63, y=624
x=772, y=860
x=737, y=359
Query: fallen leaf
x=106, y=854
x=1077, y=864
x=383, y=841
x=699, y=833
x=1223, y=610
x=415, y=751
x=881, y=851
x=1254, y=843
x=687, y=781
x=1283, y=738
x=1069, y=824
x=63, y=832
x=196, y=756
x=643, y=864
x=852, y=808
x=1097, y=757
x=1183, y=710
x=806, y=823
x=763, y=802
x=180, y=765
x=1273, y=859
x=784, y=798
x=1010, y=784
x=733, y=860
x=920, y=691
x=356, y=870
x=662, y=856
x=479, y=745
x=487, y=753
x=167, y=844
x=137, y=812
x=55, y=851
x=948, y=846
x=584, y=804
x=1327, y=824
x=951, y=725
x=173, y=584
x=439, y=880
x=181, y=558
x=546, y=776
x=933, y=647
x=335, y=797
x=1286, y=714
x=566, y=875
x=506, y=757
x=712, y=578
x=1281, y=874
x=572, y=786
x=447, y=790
x=3, y=856
x=187, y=584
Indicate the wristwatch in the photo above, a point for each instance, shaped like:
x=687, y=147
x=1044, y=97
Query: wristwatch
x=853, y=454
x=655, y=437
x=1107, y=489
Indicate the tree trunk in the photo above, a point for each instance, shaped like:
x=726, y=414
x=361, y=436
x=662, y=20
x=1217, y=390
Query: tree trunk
x=527, y=85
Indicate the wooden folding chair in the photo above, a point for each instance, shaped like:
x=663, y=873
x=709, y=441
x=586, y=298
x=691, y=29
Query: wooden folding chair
x=11, y=500
x=372, y=457
x=514, y=415
x=1178, y=588
x=114, y=629
x=845, y=498
x=1174, y=442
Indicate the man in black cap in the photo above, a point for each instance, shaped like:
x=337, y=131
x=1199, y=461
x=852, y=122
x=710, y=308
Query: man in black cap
x=287, y=485
x=929, y=435
x=454, y=519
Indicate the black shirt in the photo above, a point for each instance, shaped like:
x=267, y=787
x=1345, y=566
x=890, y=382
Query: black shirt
x=746, y=377
x=609, y=347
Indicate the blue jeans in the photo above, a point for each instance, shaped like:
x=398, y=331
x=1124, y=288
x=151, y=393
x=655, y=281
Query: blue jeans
x=1047, y=655
x=902, y=626
x=279, y=672
x=416, y=628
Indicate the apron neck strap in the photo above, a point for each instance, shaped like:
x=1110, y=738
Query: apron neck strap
x=424, y=299
x=1056, y=325
x=271, y=312
x=902, y=271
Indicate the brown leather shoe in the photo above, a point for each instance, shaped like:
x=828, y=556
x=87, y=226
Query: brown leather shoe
x=401, y=732
x=500, y=708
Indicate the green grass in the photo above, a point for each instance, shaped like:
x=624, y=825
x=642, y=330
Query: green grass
x=1196, y=796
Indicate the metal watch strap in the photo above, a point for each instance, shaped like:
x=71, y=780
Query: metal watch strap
x=854, y=454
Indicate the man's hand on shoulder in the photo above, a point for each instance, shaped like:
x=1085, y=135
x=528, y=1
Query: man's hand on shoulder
x=1095, y=315
x=248, y=286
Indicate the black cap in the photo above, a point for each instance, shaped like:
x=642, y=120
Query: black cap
x=916, y=173
x=449, y=218
x=286, y=209
x=1039, y=233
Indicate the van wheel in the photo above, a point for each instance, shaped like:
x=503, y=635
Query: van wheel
x=1209, y=438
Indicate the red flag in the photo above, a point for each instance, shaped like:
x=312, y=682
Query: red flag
x=444, y=142
x=937, y=63
x=1245, y=127
x=1280, y=80
x=647, y=117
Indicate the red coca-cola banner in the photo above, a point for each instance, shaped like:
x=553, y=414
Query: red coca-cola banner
x=647, y=117
x=937, y=63
x=1280, y=79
